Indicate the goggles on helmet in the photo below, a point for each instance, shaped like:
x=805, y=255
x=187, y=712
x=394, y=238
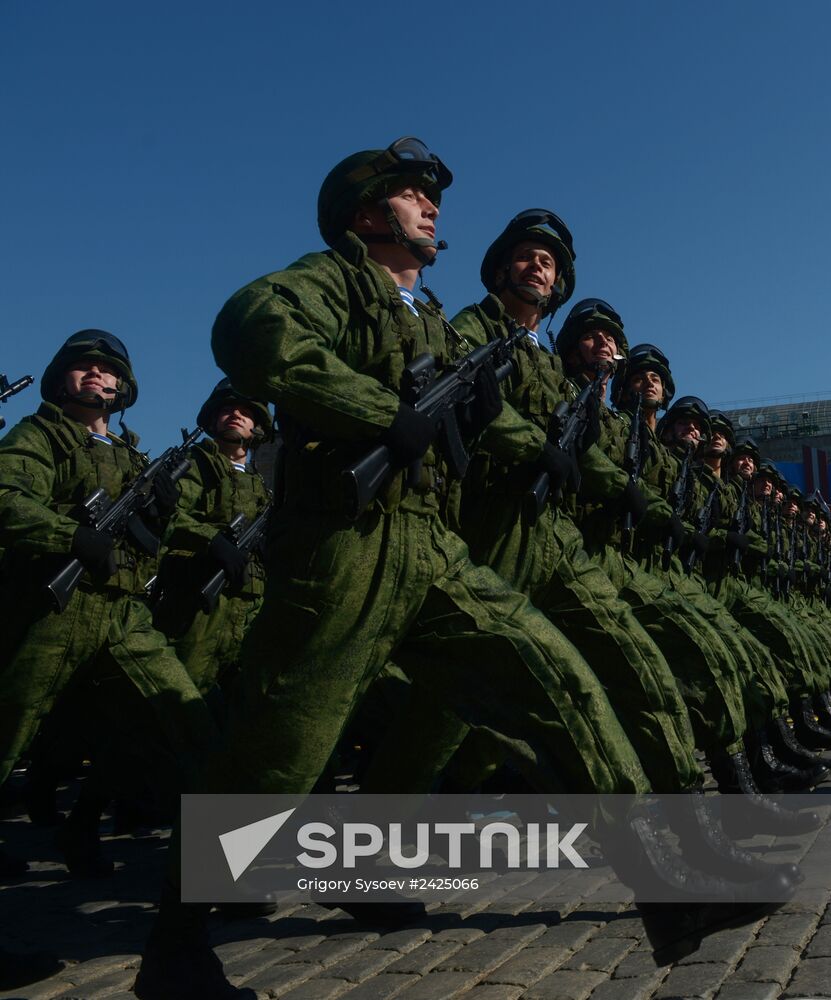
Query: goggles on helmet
x=641, y=353
x=96, y=339
x=594, y=309
x=406, y=154
x=541, y=218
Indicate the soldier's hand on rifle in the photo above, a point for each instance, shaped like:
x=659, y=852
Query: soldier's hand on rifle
x=409, y=435
x=633, y=500
x=736, y=540
x=562, y=473
x=676, y=531
x=486, y=405
x=591, y=432
x=165, y=495
x=95, y=549
x=229, y=558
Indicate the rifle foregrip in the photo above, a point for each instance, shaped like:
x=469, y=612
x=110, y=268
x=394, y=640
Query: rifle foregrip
x=533, y=503
x=62, y=586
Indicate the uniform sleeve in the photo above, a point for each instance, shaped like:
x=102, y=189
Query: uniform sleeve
x=27, y=479
x=277, y=339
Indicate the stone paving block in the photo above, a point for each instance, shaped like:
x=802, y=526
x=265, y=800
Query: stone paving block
x=45, y=990
x=565, y=984
x=425, y=958
x=493, y=992
x=246, y=966
x=693, y=981
x=820, y=944
x=565, y=938
x=232, y=951
x=401, y=941
x=464, y=935
x=724, y=946
x=359, y=967
x=627, y=924
x=92, y=968
x=636, y=964
x=793, y=929
x=442, y=985
x=767, y=964
x=118, y=981
x=636, y=988
x=733, y=990
x=601, y=955
x=492, y=950
x=333, y=949
x=811, y=979
x=317, y=989
x=526, y=968
x=282, y=977
x=382, y=987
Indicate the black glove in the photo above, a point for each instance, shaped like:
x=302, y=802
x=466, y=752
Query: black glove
x=409, y=435
x=165, y=495
x=562, y=473
x=591, y=432
x=700, y=542
x=633, y=501
x=676, y=531
x=486, y=405
x=230, y=559
x=736, y=540
x=95, y=550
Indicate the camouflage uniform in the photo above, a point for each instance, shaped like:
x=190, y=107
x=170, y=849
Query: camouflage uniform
x=102, y=648
x=213, y=492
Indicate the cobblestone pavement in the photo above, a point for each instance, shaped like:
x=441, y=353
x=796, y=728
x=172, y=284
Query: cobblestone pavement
x=592, y=947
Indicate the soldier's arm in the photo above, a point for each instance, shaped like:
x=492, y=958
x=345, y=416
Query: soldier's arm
x=189, y=528
x=27, y=479
x=277, y=339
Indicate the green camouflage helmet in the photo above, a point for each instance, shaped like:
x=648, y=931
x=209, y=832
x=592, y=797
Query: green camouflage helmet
x=687, y=406
x=96, y=345
x=643, y=358
x=222, y=393
x=367, y=177
x=535, y=225
x=590, y=314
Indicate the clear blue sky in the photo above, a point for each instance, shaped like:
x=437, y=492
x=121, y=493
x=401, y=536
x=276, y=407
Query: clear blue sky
x=158, y=156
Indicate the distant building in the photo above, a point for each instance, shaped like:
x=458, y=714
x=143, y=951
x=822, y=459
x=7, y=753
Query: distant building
x=792, y=431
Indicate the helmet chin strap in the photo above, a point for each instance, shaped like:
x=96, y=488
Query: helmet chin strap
x=417, y=246
x=231, y=437
x=528, y=294
x=93, y=400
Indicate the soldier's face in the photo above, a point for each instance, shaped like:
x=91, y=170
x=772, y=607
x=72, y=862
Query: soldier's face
x=762, y=487
x=823, y=527
x=810, y=518
x=687, y=430
x=718, y=443
x=532, y=264
x=648, y=385
x=90, y=377
x=413, y=209
x=744, y=466
x=597, y=346
x=791, y=508
x=234, y=418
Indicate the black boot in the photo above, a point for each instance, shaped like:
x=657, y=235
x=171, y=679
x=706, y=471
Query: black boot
x=40, y=796
x=808, y=730
x=759, y=813
x=788, y=748
x=78, y=838
x=642, y=859
x=705, y=845
x=21, y=970
x=822, y=706
x=773, y=775
x=178, y=961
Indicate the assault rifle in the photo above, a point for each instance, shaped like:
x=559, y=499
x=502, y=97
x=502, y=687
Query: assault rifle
x=763, y=568
x=678, y=501
x=246, y=537
x=9, y=389
x=123, y=516
x=633, y=463
x=777, y=551
x=702, y=526
x=741, y=522
x=436, y=396
x=791, y=557
x=568, y=422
